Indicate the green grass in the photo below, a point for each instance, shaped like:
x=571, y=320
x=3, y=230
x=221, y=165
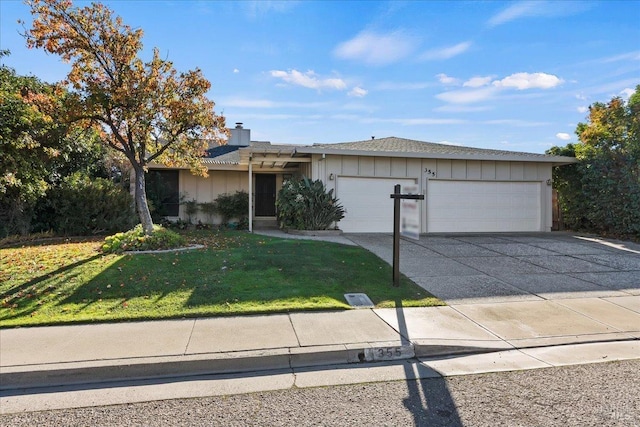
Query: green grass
x=55, y=282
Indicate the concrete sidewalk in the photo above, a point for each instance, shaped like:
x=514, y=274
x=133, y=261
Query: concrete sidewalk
x=66, y=355
x=515, y=302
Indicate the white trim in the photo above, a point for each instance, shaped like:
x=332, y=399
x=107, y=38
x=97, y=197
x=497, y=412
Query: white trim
x=250, y=197
x=515, y=157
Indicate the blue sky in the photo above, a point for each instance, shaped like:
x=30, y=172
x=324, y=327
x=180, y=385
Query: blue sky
x=503, y=75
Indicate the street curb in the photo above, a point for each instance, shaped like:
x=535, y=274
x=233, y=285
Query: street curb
x=442, y=347
x=99, y=371
x=13, y=378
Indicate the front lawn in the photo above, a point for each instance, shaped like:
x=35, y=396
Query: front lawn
x=58, y=281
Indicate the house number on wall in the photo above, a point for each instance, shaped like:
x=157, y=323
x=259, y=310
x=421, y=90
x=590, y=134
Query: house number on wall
x=431, y=173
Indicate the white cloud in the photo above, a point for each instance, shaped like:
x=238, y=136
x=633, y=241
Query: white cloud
x=377, y=49
x=515, y=11
x=247, y=103
x=478, y=81
x=611, y=88
x=563, y=136
x=467, y=96
x=537, y=8
x=481, y=88
x=447, y=80
x=523, y=81
x=446, y=52
x=358, y=92
x=627, y=92
x=631, y=56
x=309, y=80
x=582, y=109
x=236, y=71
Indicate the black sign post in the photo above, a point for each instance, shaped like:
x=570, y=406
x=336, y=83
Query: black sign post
x=396, y=196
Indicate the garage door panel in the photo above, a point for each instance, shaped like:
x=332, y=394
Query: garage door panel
x=367, y=203
x=483, y=206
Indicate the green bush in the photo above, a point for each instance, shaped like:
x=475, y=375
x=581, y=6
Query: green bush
x=307, y=205
x=191, y=209
x=86, y=206
x=233, y=206
x=136, y=240
x=209, y=209
x=601, y=192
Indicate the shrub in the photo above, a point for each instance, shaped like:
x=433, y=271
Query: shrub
x=601, y=192
x=86, y=206
x=233, y=206
x=209, y=209
x=307, y=205
x=136, y=240
x=191, y=209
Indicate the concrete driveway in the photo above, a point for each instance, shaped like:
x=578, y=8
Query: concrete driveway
x=481, y=268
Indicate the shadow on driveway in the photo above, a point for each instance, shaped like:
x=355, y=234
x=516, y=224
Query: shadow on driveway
x=471, y=268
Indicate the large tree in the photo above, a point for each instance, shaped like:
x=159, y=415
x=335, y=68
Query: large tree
x=601, y=192
x=36, y=149
x=145, y=110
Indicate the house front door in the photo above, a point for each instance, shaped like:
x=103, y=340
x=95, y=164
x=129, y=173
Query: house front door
x=265, y=199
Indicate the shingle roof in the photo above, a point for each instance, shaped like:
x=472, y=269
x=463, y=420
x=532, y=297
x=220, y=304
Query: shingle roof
x=402, y=145
x=223, y=155
x=389, y=146
x=221, y=150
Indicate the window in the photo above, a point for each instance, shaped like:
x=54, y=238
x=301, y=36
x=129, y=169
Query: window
x=163, y=193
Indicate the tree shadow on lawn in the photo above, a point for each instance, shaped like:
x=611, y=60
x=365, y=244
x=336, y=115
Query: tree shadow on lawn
x=190, y=284
x=25, y=299
x=200, y=282
x=44, y=277
x=261, y=277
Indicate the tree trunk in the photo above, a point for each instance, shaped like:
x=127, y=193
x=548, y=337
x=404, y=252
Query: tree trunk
x=141, y=202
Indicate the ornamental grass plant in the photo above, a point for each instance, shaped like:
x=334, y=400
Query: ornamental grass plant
x=307, y=205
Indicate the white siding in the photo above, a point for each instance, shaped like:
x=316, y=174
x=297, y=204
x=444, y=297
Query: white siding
x=423, y=170
x=205, y=190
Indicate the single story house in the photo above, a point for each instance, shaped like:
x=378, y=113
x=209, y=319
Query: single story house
x=466, y=189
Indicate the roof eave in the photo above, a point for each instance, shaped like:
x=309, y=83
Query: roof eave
x=560, y=160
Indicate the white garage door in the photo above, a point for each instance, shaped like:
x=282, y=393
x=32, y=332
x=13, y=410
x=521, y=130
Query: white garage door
x=367, y=203
x=481, y=206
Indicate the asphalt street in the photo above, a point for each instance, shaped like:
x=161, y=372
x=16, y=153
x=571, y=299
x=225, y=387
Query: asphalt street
x=600, y=394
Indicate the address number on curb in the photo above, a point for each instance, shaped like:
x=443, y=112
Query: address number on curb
x=388, y=353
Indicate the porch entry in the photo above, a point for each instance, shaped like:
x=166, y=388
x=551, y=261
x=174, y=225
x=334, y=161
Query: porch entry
x=265, y=195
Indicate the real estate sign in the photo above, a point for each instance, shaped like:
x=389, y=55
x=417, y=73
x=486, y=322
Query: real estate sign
x=410, y=214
